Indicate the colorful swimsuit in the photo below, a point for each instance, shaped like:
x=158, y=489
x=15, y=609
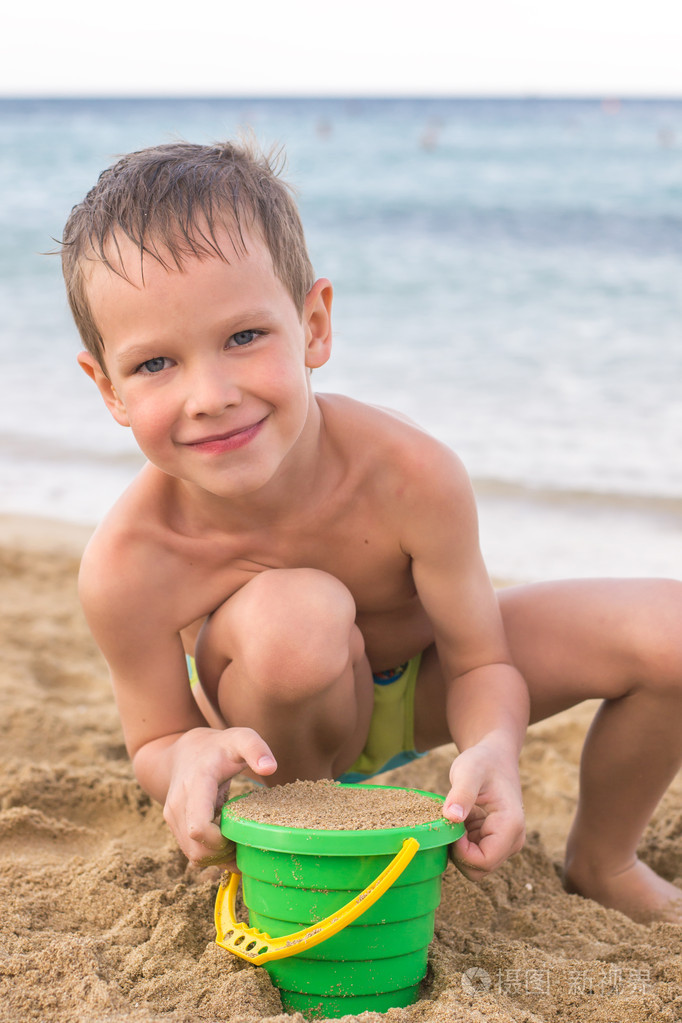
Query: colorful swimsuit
x=390, y=742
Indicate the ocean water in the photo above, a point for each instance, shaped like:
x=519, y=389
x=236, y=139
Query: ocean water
x=506, y=272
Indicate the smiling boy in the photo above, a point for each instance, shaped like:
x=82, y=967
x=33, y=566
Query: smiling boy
x=319, y=557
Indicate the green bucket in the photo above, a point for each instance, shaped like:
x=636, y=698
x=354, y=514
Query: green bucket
x=295, y=878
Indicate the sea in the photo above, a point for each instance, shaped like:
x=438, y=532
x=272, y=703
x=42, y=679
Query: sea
x=507, y=272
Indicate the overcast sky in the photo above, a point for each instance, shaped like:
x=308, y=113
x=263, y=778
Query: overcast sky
x=341, y=47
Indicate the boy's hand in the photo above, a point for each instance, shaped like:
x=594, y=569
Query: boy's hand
x=485, y=794
x=204, y=760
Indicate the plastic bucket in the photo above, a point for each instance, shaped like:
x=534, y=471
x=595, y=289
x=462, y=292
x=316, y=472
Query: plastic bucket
x=294, y=877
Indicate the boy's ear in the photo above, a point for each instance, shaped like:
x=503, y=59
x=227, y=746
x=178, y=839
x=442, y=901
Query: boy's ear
x=317, y=320
x=91, y=366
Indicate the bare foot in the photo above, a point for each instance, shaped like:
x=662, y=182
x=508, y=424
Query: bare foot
x=637, y=891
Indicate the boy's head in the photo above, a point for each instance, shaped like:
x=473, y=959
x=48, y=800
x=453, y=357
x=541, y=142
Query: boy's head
x=170, y=201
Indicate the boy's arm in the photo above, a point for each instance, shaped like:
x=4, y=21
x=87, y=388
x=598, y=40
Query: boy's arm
x=487, y=700
x=178, y=759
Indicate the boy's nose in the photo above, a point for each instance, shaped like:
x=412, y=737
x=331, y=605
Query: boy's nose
x=209, y=393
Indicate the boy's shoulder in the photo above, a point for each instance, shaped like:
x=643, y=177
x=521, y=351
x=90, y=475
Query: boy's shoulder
x=408, y=476
x=411, y=482
x=130, y=538
x=386, y=425
x=387, y=438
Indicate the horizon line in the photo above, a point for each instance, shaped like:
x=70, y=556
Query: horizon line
x=526, y=96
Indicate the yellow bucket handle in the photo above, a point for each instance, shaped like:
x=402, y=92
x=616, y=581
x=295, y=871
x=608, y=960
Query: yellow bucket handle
x=258, y=947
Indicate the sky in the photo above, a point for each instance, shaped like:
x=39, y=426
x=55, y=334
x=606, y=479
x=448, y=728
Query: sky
x=341, y=47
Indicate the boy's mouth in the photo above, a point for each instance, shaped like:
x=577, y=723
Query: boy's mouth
x=229, y=441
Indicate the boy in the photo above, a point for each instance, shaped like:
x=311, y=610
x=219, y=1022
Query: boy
x=319, y=558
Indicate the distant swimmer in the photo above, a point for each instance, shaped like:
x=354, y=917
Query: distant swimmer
x=430, y=136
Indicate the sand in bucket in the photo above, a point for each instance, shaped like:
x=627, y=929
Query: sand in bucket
x=305, y=851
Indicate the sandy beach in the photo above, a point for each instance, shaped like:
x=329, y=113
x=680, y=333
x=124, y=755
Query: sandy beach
x=101, y=919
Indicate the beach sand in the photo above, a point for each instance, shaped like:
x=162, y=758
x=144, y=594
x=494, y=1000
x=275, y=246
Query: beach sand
x=101, y=920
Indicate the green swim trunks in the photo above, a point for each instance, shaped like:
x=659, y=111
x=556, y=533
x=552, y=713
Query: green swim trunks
x=390, y=742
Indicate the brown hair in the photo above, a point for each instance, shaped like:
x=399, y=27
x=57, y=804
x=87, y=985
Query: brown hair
x=169, y=200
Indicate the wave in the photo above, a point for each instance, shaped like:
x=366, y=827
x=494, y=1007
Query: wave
x=652, y=504
x=43, y=449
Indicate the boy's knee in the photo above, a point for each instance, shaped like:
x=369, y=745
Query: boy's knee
x=285, y=601
x=656, y=639
x=291, y=628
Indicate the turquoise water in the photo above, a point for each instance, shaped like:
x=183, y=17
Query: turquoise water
x=506, y=272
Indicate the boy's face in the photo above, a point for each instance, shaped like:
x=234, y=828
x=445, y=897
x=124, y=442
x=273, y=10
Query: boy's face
x=209, y=366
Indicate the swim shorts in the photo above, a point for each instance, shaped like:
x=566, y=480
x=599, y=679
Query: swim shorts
x=390, y=742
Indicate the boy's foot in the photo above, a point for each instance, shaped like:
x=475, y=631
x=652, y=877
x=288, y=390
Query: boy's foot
x=637, y=891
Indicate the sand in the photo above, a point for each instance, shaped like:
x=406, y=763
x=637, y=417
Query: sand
x=101, y=919
x=328, y=805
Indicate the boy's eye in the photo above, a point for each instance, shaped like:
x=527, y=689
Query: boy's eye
x=154, y=365
x=243, y=337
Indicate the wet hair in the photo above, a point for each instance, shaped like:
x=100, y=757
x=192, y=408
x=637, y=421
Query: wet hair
x=170, y=200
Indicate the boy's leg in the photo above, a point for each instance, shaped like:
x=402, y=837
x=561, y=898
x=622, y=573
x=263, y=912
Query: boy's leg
x=619, y=640
x=283, y=656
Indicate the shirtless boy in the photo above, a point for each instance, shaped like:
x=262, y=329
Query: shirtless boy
x=296, y=544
